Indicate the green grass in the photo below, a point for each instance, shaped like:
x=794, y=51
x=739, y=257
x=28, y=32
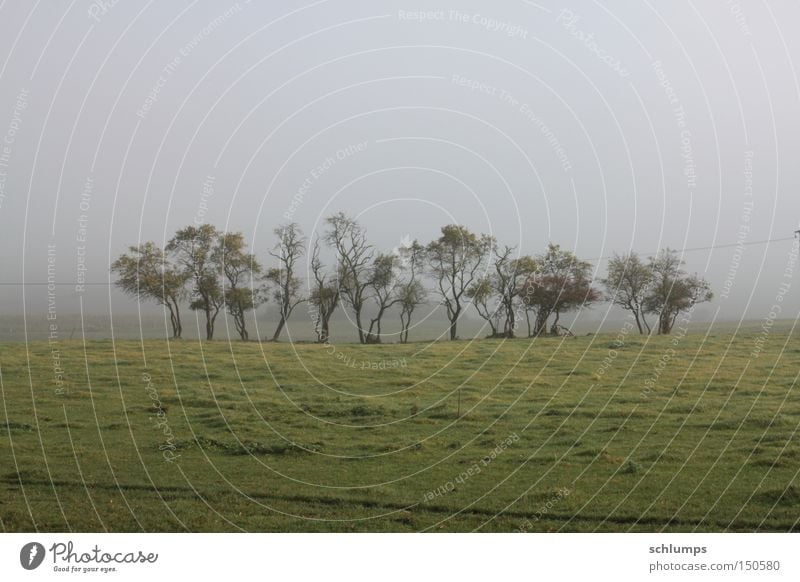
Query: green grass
x=279, y=437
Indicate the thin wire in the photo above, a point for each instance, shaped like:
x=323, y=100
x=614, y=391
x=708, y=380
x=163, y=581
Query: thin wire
x=712, y=247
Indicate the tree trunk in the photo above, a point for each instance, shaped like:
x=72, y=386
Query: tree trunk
x=172, y=320
x=672, y=320
x=210, y=319
x=279, y=329
x=324, y=333
x=511, y=321
x=638, y=323
x=663, y=323
x=209, y=325
x=453, y=317
x=361, y=337
x=554, y=329
x=174, y=317
x=404, y=321
x=541, y=323
x=241, y=326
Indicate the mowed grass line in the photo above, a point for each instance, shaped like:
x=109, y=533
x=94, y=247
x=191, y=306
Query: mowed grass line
x=555, y=435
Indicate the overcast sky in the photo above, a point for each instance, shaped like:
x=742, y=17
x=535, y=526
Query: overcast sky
x=599, y=126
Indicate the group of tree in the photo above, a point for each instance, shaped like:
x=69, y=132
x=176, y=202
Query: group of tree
x=658, y=287
x=541, y=287
x=214, y=272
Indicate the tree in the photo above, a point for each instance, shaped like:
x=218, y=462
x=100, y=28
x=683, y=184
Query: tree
x=385, y=284
x=673, y=291
x=628, y=284
x=288, y=251
x=324, y=296
x=561, y=284
x=507, y=281
x=495, y=296
x=240, y=271
x=193, y=248
x=354, y=256
x=455, y=259
x=483, y=296
x=146, y=273
x=577, y=294
x=412, y=292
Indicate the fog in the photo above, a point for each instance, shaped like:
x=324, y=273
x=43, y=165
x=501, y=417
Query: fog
x=598, y=127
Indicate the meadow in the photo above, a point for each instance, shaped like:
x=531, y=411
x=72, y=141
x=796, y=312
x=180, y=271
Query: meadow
x=610, y=432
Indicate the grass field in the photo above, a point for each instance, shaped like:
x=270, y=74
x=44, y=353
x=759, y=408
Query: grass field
x=688, y=433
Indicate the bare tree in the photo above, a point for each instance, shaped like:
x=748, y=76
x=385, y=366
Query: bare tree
x=507, y=281
x=455, y=259
x=240, y=272
x=354, y=256
x=495, y=296
x=288, y=251
x=487, y=303
x=628, y=284
x=324, y=296
x=412, y=292
x=192, y=248
x=146, y=273
x=385, y=284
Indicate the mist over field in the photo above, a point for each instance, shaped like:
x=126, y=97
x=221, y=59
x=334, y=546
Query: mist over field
x=599, y=129
x=343, y=266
